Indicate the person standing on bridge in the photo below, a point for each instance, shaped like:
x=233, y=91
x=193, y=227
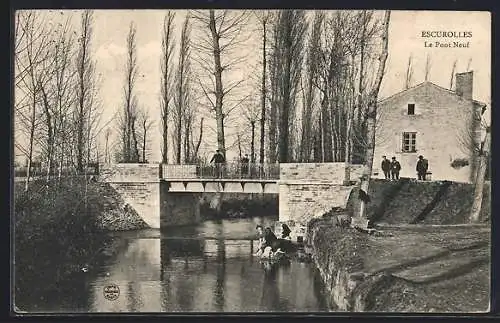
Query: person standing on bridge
x=244, y=165
x=218, y=159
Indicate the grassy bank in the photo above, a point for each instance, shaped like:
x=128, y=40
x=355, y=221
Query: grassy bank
x=424, y=258
x=415, y=202
x=58, y=229
x=410, y=269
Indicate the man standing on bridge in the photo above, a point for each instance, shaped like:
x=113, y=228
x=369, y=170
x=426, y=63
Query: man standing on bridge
x=219, y=160
x=244, y=165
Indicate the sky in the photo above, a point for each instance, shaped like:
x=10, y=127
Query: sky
x=405, y=39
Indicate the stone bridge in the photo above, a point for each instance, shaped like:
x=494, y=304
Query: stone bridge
x=168, y=195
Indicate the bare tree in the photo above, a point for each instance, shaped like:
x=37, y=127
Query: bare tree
x=128, y=118
x=145, y=123
x=370, y=29
x=274, y=61
x=484, y=160
x=216, y=47
x=288, y=44
x=198, y=143
x=189, y=116
x=31, y=50
x=264, y=19
x=409, y=73
x=335, y=83
x=251, y=115
x=452, y=78
x=365, y=29
x=182, y=83
x=59, y=96
x=427, y=67
x=312, y=61
x=107, y=158
x=85, y=114
x=372, y=113
x=167, y=44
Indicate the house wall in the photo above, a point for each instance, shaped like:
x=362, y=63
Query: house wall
x=441, y=120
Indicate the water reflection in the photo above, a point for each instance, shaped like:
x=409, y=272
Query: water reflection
x=208, y=268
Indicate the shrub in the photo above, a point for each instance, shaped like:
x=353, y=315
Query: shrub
x=55, y=230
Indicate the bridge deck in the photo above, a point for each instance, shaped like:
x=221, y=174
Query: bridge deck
x=221, y=180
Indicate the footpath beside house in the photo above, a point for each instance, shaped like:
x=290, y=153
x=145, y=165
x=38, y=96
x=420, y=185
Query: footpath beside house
x=429, y=120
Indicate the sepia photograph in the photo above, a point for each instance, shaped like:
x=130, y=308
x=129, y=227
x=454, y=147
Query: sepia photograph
x=250, y=161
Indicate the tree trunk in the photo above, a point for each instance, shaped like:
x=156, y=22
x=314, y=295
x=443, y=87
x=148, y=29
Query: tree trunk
x=475, y=215
x=371, y=121
x=50, y=133
x=252, y=144
x=218, y=85
x=144, y=143
x=349, y=135
x=197, y=148
x=263, y=97
x=239, y=148
x=452, y=77
x=167, y=49
x=135, y=150
x=31, y=141
x=106, y=149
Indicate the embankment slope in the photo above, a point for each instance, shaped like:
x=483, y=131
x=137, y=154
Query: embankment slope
x=424, y=257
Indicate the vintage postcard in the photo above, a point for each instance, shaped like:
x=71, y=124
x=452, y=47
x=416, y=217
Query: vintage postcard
x=213, y=161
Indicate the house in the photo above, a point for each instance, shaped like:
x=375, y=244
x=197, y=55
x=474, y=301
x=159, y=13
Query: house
x=442, y=125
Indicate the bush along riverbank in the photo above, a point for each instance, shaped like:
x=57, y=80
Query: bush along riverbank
x=59, y=231
x=412, y=263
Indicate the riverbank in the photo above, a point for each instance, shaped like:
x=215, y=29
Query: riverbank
x=410, y=269
x=59, y=230
x=424, y=257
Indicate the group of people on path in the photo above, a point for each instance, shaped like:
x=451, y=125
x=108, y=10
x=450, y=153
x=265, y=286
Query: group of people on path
x=270, y=245
x=391, y=168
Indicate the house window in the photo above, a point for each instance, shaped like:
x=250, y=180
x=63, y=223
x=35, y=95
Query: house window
x=411, y=109
x=409, y=142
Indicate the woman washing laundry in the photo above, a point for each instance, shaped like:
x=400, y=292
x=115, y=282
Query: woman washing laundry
x=270, y=245
x=261, y=242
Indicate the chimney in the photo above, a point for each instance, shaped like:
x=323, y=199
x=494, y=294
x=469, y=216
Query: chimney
x=463, y=85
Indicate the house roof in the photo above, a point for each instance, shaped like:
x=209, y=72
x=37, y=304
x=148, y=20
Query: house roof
x=431, y=84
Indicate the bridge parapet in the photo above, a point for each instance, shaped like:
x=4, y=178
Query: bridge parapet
x=333, y=173
x=130, y=173
x=309, y=190
x=178, y=171
x=230, y=170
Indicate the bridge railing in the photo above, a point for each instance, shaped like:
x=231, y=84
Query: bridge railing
x=231, y=170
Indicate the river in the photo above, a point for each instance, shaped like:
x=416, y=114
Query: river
x=204, y=268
